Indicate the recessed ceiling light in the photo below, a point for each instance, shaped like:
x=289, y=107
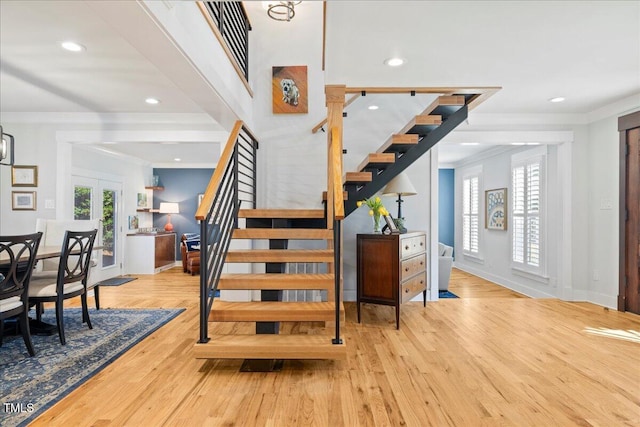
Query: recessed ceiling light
x=373, y=107
x=152, y=101
x=177, y=159
x=557, y=99
x=470, y=143
x=109, y=142
x=72, y=46
x=518, y=143
x=394, y=62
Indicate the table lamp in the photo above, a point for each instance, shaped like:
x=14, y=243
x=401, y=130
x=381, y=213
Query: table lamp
x=400, y=186
x=169, y=208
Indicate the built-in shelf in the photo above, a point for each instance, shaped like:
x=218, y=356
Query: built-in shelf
x=154, y=188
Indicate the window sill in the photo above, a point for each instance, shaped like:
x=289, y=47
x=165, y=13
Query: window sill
x=473, y=258
x=542, y=278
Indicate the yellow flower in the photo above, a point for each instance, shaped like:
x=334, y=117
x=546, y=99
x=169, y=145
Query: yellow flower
x=375, y=206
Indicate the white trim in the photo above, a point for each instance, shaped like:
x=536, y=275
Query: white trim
x=626, y=105
x=509, y=137
x=542, y=278
x=119, y=118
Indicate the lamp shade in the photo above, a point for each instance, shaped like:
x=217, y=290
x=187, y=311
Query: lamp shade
x=169, y=208
x=400, y=185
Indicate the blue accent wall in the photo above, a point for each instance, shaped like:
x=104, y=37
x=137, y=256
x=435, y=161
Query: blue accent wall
x=446, y=193
x=181, y=186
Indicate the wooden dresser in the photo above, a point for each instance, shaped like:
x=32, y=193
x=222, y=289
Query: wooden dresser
x=392, y=269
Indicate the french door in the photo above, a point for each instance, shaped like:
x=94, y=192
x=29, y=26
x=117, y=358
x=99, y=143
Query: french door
x=101, y=199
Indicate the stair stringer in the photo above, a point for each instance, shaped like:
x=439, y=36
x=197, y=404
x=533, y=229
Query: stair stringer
x=403, y=162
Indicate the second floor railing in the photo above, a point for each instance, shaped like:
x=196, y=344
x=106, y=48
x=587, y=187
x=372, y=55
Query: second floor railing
x=231, y=21
x=232, y=185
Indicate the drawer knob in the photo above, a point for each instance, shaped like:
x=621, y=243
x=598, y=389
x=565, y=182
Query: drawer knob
x=421, y=244
x=406, y=291
x=421, y=282
x=406, y=269
x=406, y=247
x=421, y=263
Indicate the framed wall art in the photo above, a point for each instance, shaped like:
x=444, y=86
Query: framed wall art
x=24, y=176
x=290, y=90
x=23, y=200
x=496, y=209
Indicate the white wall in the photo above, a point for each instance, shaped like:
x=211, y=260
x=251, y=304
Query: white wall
x=494, y=262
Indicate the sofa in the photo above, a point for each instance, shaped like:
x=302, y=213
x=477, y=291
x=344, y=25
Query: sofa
x=445, y=263
x=190, y=251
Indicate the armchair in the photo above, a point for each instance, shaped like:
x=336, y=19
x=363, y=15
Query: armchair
x=190, y=251
x=445, y=263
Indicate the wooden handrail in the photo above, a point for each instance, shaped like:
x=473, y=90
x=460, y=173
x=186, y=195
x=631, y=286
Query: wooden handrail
x=214, y=182
x=482, y=94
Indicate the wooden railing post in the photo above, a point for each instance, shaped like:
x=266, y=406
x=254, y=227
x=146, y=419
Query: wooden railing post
x=335, y=106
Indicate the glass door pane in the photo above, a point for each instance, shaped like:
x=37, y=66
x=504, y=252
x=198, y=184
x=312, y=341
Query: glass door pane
x=109, y=227
x=82, y=202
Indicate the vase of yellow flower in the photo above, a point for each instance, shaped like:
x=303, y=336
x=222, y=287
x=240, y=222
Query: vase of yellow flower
x=376, y=210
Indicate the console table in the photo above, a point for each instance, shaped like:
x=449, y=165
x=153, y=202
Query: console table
x=391, y=269
x=150, y=253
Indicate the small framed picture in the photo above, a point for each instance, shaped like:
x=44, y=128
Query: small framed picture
x=390, y=227
x=24, y=176
x=142, y=200
x=496, y=206
x=133, y=222
x=23, y=200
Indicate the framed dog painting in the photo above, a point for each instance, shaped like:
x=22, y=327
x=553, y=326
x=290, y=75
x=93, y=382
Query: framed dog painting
x=290, y=94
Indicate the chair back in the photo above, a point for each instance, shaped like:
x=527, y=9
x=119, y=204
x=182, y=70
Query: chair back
x=17, y=258
x=53, y=234
x=75, y=259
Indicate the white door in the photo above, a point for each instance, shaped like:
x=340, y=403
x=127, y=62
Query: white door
x=102, y=199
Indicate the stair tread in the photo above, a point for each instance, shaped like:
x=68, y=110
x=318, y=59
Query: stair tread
x=270, y=346
x=281, y=213
x=399, y=141
x=377, y=160
x=273, y=311
x=283, y=233
x=280, y=255
x=352, y=177
x=276, y=281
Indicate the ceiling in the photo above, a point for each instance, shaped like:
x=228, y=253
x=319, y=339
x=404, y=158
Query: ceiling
x=587, y=52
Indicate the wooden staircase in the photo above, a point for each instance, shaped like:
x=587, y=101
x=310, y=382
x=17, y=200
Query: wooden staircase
x=403, y=148
x=278, y=227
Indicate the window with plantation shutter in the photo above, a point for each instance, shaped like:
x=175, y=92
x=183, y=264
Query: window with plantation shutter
x=470, y=215
x=526, y=212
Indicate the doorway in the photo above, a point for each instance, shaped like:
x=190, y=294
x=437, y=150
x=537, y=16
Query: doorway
x=101, y=199
x=629, y=286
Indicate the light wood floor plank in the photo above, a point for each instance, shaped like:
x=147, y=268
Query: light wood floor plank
x=491, y=358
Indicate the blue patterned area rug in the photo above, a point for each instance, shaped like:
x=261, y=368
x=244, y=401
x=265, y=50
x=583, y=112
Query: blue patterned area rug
x=31, y=385
x=447, y=294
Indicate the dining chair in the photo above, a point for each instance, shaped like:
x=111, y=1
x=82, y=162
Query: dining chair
x=53, y=233
x=17, y=258
x=71, y=280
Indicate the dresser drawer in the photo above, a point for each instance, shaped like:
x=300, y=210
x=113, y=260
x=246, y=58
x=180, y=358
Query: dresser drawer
x=413, y=287
x=413, y=245
x=412, y=266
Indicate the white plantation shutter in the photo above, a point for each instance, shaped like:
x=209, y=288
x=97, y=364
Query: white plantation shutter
x=526, y=216
x=470, y=215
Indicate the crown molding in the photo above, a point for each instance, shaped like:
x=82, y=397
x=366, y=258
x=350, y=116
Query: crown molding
x=120, y=118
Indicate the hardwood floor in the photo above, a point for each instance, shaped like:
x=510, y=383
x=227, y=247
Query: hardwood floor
x=490, y=358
